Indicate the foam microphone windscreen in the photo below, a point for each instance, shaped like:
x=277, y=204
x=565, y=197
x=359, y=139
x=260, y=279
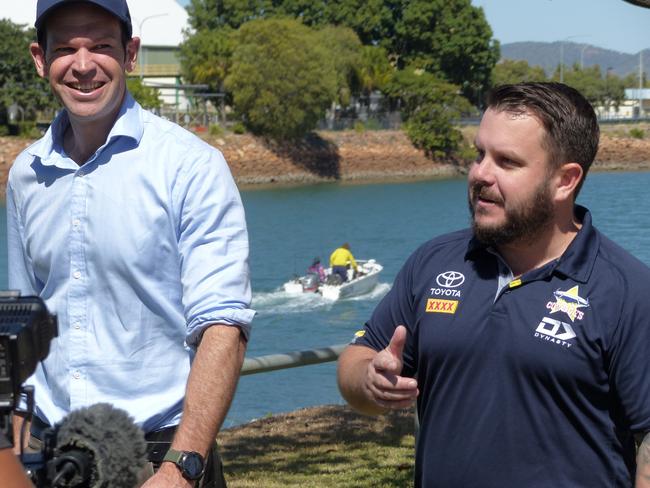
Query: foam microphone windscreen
x=116, y=444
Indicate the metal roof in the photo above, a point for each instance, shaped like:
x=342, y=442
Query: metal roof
x=635, y=93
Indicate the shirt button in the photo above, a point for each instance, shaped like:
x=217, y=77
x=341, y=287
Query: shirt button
x=76, y=375
x=77, y=325
x=76, y=275
x=75, y=223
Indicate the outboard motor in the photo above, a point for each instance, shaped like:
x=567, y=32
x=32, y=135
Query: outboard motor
x=310, y=282
x=334, y=280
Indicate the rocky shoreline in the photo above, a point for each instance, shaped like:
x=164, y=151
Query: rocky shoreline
x=351, y=157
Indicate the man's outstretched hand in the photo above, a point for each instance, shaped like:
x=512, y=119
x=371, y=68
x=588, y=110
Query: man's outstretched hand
x=383, y=384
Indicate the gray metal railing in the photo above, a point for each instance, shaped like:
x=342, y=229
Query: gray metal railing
x=273, y=362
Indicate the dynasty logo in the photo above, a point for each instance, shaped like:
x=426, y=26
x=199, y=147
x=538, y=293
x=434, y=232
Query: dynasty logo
x=561, y=333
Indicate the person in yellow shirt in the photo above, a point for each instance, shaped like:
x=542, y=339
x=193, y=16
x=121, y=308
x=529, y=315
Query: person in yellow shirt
x=341, y=260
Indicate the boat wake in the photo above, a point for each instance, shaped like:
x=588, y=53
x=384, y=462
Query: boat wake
x=281, y=302
x=377, y=292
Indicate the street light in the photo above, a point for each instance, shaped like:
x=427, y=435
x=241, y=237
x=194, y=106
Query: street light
x=140, y=24
x=582, y=56
x=562, y=55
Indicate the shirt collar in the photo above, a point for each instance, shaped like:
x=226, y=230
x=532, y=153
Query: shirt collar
x=577, y=261
x=129, y=124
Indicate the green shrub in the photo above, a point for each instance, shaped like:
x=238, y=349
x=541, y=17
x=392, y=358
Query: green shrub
x=282, y=79
x=238, y=128
x=4, y=130
x=215, y=130
x=466, y=152
x=637, y=133
x=373, y=124
x=145, y=95
x=29, y=130
x=359, y=127
x=430, y=107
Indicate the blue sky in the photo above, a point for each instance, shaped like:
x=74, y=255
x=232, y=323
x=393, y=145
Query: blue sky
x=610, y=24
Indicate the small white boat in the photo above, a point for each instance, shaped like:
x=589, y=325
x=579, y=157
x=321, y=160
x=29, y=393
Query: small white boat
x=366, y=279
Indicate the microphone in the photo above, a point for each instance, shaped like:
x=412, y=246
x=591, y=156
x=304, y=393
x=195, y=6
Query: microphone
x=97, y=447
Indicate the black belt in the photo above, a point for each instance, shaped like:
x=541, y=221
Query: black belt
x=37, y=427
x=158, y=441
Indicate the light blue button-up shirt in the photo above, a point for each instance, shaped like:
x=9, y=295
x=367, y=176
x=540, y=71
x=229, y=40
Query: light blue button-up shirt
x=136, y=252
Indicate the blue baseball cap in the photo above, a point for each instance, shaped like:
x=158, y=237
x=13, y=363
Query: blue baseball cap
x=118, y=8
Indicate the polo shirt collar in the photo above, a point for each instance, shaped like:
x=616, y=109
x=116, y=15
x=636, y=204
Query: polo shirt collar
x=577, y=262
x=129, y=124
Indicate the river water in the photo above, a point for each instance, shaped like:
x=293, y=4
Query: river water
x=289, y=227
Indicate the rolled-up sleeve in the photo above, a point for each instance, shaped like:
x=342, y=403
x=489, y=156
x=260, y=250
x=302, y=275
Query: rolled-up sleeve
x=213, y=246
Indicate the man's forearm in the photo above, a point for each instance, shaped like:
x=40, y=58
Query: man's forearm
x=643, y=463
x=351, y=374
x=17, y=425
x=210, y=388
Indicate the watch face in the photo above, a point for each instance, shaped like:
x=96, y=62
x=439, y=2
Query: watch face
x=192, y=465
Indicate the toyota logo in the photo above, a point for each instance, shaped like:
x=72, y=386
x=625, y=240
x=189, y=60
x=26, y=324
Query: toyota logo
x=450, y=279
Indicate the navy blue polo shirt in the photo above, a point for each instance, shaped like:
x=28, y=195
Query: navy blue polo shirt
x=539, y=385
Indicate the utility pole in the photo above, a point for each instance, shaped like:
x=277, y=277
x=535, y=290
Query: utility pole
x=562, y=54
x=640, y=82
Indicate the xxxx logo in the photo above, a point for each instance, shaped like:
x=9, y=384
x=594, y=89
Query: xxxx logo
x=435, y=305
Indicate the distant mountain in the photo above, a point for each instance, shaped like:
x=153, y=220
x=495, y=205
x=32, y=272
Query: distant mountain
x=548, y=54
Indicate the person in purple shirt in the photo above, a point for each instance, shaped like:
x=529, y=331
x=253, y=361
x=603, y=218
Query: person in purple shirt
x=317, y=269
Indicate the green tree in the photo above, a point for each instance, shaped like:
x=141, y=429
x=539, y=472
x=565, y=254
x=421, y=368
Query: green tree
x=345, y=51
x=145, y=95
x=603, y=91
x=375, y=70
x=216, y=14
x=510, y=71
x=430, y=107
x=449, y=38
x=206, y=56
x=372, y=20
x=282, y=79
x=631, y=80
x=19, y=82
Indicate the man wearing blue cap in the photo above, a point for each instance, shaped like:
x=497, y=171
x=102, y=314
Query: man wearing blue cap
x=132, y=231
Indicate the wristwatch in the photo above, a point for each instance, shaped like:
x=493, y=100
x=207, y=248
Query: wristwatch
x=190, y=463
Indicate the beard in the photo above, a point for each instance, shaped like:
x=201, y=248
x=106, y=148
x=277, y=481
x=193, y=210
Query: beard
x=523, y=222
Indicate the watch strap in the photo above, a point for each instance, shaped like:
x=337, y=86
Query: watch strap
x=190, y=463
x=174, y=456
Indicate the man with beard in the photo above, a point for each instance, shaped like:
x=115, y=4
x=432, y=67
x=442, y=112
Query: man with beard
x=524, y=340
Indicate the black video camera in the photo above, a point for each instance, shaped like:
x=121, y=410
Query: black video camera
x=26, y=330
x=74, y=453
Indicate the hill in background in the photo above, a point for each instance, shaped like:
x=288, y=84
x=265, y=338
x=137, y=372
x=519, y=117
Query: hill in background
x=547, y=55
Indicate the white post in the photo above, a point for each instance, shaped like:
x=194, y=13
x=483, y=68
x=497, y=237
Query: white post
x=640, y=82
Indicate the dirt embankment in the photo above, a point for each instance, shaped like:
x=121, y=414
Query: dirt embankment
x=350, y=156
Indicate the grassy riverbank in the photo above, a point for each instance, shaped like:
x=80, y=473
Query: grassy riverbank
x=321, y=447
